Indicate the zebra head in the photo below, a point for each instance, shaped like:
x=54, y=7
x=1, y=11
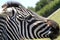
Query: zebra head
x=35, y=26
x=54, y=32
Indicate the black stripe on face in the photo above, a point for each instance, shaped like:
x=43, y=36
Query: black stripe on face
x=13, y=13
x=44, y=31
x=11, y=29
x=21, y=27
x=15, y=24
x=34, y=28
x=41, y=28
x=28, y=27
x=5, y=31
x=25, y=29
x=2, y=18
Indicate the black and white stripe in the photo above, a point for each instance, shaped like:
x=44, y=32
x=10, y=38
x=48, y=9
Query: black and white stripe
x=17, y=23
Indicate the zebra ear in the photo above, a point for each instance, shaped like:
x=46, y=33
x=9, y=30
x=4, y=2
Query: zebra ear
x=9, y=12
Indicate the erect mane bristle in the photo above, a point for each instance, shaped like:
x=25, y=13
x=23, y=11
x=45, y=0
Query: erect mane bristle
x=12, y=4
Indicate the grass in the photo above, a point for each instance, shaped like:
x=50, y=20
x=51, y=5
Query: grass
x=56, y=17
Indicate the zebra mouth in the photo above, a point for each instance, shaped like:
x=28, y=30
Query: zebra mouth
x=54, y=33
x=52, y=36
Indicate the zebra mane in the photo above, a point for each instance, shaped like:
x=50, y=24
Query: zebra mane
x=12, y=4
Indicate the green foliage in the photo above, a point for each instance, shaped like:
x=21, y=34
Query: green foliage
x=46, y=7
x=41, y=4
x=49, y=8
x=56, y=16
x=31, y=8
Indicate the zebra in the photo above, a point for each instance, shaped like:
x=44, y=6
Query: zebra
x=17, y=22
